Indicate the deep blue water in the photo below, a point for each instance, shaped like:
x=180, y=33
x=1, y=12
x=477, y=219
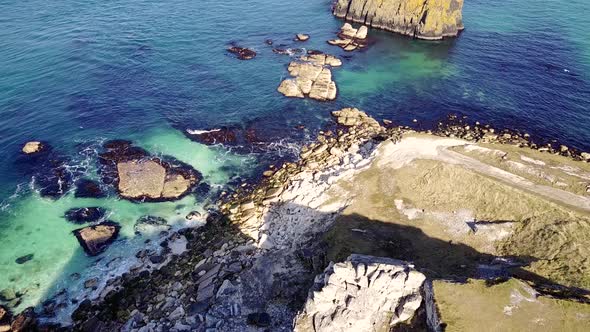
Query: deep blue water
x=74, y=73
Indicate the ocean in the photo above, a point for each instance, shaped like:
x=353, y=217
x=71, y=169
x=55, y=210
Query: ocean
x=75, y=74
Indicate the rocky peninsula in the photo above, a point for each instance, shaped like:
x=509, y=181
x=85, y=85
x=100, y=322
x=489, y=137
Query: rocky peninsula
x=424, y=19
x=376, y=227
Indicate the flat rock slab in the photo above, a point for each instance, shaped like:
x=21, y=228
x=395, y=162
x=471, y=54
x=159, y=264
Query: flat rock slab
x=148, y=179
x=95, y=239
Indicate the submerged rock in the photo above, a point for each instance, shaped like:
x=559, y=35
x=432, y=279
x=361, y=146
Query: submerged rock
x=367, y=293
x=242, y=53
x=151, y=224
x=224, y=135
x=24, y=259
x=433, y=19
x=88, y=189
x=50, y=173
x=33, y=147
x=95, y=239
x=85, y=214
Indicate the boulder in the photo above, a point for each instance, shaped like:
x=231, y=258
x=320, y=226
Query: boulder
x=24, y=259
x=430, y=20
x=32, y=147
x=242, y=53
x=85, y=214
x=95, y=239
x=366, y=293
x=351, y=39
x=301, y=37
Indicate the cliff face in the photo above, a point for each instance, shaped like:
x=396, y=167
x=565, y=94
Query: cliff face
x=424, y=19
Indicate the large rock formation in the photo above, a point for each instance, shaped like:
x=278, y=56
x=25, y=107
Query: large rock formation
x=139, y=176
x=367, y=293
x=312, y=78
x=424, y=19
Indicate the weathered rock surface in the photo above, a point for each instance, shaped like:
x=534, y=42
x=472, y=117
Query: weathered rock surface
x=424, y=19
x=312, y=78
x=351, y=39
x=367, y=293
x=95, y=239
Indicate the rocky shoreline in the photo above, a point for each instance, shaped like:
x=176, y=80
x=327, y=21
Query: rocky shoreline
x=253, y=263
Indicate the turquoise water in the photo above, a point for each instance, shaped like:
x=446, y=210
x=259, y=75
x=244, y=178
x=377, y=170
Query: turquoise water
x=77, y=73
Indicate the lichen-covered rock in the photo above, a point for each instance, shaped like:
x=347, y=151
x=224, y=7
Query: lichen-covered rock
x=367, y=293
x=95, y=239
x=424, y=19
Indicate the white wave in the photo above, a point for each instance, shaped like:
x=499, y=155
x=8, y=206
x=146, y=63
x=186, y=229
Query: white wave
x=199, y=132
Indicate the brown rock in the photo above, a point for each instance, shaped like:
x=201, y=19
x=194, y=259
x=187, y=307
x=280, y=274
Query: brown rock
x=25, y=321
x=95, y=239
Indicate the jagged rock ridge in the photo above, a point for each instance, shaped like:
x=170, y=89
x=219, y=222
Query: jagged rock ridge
x=424, y=19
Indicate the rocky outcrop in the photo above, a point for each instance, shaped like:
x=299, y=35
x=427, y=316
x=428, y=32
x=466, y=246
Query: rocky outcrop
x=424, y=19
x=95, y=239
x=242, y=53
x=351, y=39
x=312, y=78
x=367, y=293
x=139, y=176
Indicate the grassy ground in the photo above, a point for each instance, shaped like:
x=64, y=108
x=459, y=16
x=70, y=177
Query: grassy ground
x=554, y=240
